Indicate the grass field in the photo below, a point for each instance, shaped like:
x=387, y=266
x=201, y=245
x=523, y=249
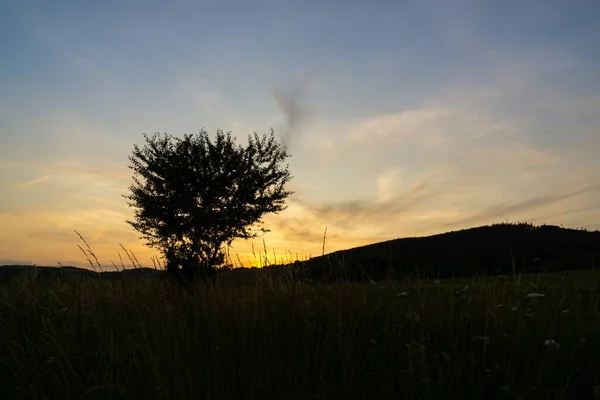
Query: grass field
x=527, y=337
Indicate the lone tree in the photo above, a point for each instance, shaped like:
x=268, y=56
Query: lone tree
x=192, y=195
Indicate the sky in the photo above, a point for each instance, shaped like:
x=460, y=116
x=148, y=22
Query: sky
x=403, y=118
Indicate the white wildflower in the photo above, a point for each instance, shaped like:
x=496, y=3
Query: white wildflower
x=534, y=295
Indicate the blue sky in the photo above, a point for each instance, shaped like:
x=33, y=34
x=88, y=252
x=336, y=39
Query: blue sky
x=407, y=118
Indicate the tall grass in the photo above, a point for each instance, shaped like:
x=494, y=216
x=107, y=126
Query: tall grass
x=481, y=338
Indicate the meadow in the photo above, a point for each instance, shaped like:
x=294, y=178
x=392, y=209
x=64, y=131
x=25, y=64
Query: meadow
x=531, y=336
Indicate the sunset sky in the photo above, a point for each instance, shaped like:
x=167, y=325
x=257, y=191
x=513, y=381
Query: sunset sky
x=404, y=118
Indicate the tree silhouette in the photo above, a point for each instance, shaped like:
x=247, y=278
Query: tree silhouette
x=192, y=195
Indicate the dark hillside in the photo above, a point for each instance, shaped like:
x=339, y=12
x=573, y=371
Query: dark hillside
x=492, y=249
x=9, y=272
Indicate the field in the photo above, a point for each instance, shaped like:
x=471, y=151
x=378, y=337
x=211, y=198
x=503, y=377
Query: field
x=523, y=337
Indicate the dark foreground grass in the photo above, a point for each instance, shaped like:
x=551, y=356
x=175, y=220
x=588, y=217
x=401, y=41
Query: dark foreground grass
x=479, y=338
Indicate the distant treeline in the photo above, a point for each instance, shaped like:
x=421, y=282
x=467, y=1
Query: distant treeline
x=494, y=249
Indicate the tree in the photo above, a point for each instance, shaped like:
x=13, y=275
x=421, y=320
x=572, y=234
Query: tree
x=192, y=195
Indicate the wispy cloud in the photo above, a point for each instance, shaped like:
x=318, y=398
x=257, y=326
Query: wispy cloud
x=291, y=101
x=35, y=181
x=65, y=168
x=520, y=206
x=352, y=214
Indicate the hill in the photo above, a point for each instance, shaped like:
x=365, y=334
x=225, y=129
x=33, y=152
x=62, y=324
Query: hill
x=9, y=272
x=491, y=249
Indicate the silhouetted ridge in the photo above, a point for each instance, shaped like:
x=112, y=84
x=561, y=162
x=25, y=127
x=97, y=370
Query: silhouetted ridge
x=8, y=272
x=491, y=249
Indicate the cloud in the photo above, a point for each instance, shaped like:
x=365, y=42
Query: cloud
x=66, y=167
x=355, y=214
x=530, y=204
x=291, y=101
x=388, y=183
x=458, y=117
x=405, y=125
x=35, y=181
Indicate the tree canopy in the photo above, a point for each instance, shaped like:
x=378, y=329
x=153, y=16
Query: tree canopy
x=193, y=195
